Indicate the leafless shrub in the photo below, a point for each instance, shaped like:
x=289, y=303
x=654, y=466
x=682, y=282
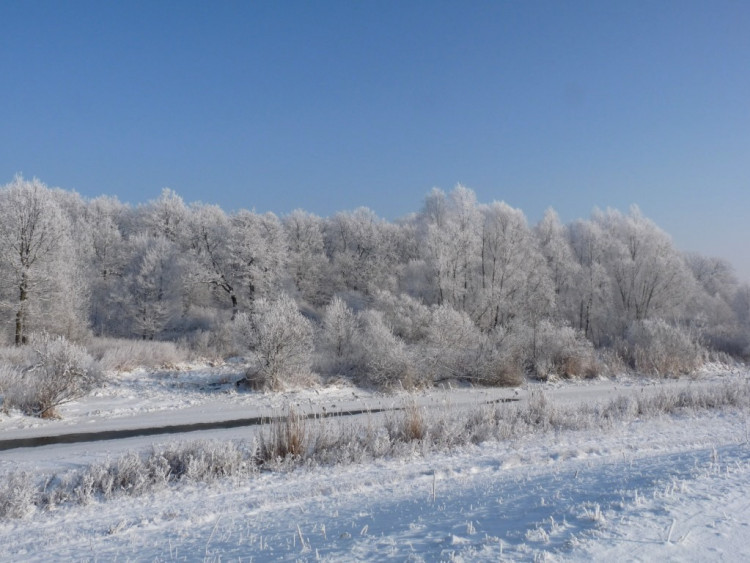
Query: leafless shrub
x=55, y=372
x=610, y=361
x=132, y=474
x=621, y=408
x=502, y=356
x=409, y=319
x=12, y=355
x=211, y=346
x=337, y=346
x=9, y=374
x=726, y=395
x=451, y=347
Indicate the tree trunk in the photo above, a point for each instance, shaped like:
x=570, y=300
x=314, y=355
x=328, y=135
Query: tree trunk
x=21, y=313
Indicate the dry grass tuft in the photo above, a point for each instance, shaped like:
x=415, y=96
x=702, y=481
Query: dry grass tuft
x=287, y=438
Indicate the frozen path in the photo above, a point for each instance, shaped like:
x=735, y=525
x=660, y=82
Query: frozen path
x=142, y=400
x=142, y=404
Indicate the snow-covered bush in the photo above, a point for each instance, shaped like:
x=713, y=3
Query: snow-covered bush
x=727, y=342
x=210, y=345
x=18, y=495
x=56, y=372
x=239, y=334
x=561, y=351
x=383, y=360
x=497, y=365
x=132, y=474
x=281, y=343
x=127, y=475
x=658, y=348
x=337, y=339
x=297, y=440
x=408, y=318
x=451, y=347
x=202, y=461
x=8, y=375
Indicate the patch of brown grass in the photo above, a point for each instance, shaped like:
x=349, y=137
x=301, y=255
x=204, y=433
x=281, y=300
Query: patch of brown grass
x=285, y=438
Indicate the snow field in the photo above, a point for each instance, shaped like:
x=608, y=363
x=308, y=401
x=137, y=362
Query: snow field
x=575, y=495
x=630, y=487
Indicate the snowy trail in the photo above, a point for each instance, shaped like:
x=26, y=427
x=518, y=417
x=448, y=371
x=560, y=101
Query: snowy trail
x=143, y=401
x=184, y=402
x=173, y=430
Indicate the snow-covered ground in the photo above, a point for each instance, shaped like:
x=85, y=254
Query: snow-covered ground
x=142, y=399
x=672, y=487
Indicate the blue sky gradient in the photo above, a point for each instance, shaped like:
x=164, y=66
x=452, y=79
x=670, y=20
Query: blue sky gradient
x=327, y=106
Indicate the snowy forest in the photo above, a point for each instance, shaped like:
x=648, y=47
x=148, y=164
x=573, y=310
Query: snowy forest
x=459, y=290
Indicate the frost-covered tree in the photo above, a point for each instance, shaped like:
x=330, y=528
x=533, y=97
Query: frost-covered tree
x=649, y=276
x=37, y=261
x=452, y=245
x=452, y=345
x=338, y=338
x=307, y=263
x=360, y=247
x=166, y=216
x=515, y=283
x=409, y=319
x=715, y=275
x=562, y=265
x=339, y=328
x=282, y=343
x=383, y=358
x=590, y=298
x=212, y=261
x=741, y=304
x=106, y=260
x=257, y=254
x=242, y=257
x=152, y=282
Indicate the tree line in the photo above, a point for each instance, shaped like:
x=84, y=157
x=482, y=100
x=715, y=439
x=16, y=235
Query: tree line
x=462, y=282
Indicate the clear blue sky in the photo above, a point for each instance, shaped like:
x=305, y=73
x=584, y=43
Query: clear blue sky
x=332, y=105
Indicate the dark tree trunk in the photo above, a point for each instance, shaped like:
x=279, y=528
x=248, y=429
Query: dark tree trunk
x=21, y=313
